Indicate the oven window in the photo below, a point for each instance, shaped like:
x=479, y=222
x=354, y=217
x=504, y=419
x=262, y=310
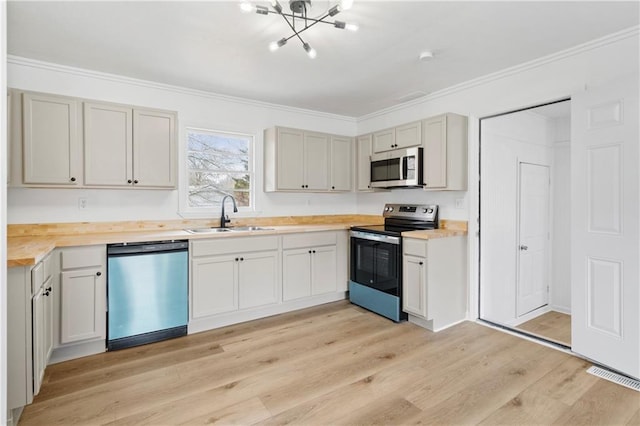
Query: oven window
x=376, y=265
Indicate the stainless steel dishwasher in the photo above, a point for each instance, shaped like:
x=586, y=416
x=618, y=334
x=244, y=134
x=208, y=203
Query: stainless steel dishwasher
x=147, y=292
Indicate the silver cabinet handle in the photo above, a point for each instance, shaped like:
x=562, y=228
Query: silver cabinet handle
x=524, y=248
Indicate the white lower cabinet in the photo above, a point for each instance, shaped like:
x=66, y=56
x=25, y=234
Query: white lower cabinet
x=309, y=265
x=434, y=289
x=82, y=305
x=30, y=331
x=237, y=279
x=229, y=274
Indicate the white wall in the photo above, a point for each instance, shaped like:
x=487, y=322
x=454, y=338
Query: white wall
x=194, y=108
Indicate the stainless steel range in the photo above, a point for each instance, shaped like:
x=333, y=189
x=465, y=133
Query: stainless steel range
x=376, y=258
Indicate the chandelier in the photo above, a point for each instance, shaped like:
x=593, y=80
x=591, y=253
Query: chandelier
x=299, y=21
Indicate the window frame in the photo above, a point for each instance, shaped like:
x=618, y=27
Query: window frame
x=207, y=212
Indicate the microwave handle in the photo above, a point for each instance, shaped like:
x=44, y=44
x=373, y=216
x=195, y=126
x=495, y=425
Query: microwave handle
x=404, y=167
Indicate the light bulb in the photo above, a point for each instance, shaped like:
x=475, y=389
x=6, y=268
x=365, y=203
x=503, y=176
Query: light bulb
x=351, y=27
x=346, y=4
x=247, y=7
x=275, y=45
x=310, y=50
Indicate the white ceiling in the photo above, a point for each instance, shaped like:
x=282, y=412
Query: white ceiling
x=211, y=46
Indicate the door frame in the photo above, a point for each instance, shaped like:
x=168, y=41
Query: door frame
x=478, y=294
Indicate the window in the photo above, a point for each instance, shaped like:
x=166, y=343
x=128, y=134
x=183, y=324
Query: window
x=219, y=164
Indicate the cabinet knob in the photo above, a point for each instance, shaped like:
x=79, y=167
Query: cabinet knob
x=309, y=251
x=237, y=259
x=135, y=181
x=129, y=181
x=242, y=259
x=49, y=289
x=98, y=273
x=524, y=247
x=333, y=187
x=46, y=293
x=73, y=179
x=314, y=251
x=301, y=186
x=420, y=263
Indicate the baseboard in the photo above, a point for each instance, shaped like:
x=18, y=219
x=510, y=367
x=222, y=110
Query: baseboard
x=66, y=353
x=561, y=309
x=223, y=320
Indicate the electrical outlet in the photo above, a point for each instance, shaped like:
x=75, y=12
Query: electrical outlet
x=83, y=203
x=459, y=203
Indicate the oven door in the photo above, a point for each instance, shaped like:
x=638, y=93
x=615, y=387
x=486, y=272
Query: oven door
x=376, y=261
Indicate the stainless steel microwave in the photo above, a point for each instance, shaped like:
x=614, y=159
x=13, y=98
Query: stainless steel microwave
x=399, y=168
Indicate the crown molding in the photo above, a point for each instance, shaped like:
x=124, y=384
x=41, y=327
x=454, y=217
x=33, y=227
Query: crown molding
x=526, y=66
x=81, y=72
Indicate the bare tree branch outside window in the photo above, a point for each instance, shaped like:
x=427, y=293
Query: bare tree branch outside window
x=218, y=164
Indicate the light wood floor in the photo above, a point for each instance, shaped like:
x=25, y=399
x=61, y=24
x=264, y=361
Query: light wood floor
x=552, y=325
x=334, y=364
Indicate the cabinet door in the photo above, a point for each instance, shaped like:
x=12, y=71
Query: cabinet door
x=39, y=325
x=409, y=135
x=82, y=305
x=316, y=161
x=363, y=179
x=341, y=163
x=258, y=279
x=414, y=285
x=290, y=159
x=384, y=140
x=296, y=276
x=154, y=149
x=323, y=270
x=108, y=144
x=435, y=152
x=51, y=140
x=214, y=287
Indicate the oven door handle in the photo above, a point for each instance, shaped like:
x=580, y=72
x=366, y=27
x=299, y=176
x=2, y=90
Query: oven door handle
x=375, y=237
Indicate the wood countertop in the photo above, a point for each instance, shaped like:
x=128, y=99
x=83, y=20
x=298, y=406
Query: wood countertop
x=29, y=244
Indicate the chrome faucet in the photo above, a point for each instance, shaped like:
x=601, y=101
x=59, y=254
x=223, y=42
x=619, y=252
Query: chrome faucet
x=224, y=219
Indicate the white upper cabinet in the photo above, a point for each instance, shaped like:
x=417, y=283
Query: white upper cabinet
x=316, y=161
x=445, y=152
x=341, y=163
x=108, y=144
x=409, y=135
x=399, y=137
x=51, y=140
x=60, y=141
x=129, y=147
x=384, y=140
x=363, y=163
x=154, y=148
x=297, y=160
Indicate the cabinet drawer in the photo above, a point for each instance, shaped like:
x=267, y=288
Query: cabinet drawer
x=233, y=245
x=414, y=247
x=83, y=257
x=309, y=239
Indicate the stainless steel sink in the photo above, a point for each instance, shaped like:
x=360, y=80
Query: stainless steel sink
x=249, y=228
x=207, y=230
x=231, y=229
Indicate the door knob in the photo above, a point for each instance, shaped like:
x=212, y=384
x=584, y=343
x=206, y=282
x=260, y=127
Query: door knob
x=523, y=247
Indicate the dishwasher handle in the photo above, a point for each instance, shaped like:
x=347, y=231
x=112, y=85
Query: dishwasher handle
x=147, y=247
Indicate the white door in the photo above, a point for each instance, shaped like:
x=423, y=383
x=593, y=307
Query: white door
x=605, y=250
x=533, y=248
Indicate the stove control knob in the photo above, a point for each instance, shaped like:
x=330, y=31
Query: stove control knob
x=424, y=210
x=390, y=209
x=430, y=211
